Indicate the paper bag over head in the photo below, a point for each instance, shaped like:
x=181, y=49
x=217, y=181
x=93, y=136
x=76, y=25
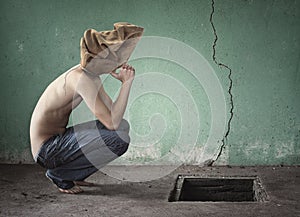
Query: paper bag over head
x=116, y=45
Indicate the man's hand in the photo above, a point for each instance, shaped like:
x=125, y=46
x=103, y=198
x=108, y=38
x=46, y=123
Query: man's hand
x=126, y=73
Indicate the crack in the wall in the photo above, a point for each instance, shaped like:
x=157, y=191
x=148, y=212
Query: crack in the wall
x=224, y=140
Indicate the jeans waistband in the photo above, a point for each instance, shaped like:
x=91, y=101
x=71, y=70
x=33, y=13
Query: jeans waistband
x=40, y=156
x=40, y=161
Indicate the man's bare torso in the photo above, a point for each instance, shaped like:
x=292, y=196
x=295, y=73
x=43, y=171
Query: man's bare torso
x=51, y=114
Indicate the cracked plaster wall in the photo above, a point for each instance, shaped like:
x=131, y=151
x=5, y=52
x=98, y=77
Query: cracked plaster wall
x=253, y=47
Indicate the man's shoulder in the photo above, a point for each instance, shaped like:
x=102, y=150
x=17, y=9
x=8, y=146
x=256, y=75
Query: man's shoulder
x=73, y=75
x=66, y=82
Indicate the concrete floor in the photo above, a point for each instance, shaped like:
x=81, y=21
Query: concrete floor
x=25, y=191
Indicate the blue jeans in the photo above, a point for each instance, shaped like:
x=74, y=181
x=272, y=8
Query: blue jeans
x=81, y=151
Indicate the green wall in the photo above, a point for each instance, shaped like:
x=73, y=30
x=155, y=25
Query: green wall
x=257, y=41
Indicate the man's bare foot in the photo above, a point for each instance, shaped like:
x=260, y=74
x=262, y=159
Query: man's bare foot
x=74, y=190
x=84, y=183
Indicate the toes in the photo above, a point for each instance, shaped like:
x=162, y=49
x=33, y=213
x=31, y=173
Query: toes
x=73, y=190
x=78, y=190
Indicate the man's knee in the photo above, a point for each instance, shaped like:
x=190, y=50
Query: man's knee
x=124, y=126
x=122, y=143
x=122, y=149
x=123, y=136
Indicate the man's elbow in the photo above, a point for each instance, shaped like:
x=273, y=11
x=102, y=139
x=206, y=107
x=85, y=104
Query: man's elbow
x=110, y=125
x=108, y=122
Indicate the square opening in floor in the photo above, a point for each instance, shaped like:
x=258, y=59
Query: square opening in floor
x=227, y=189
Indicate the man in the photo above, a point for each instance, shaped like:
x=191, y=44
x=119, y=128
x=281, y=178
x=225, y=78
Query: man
x=74, y=153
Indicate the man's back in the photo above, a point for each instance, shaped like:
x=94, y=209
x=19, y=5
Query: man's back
x=51, y=114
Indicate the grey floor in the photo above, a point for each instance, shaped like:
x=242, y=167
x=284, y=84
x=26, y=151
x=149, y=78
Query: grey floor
x=25, y=191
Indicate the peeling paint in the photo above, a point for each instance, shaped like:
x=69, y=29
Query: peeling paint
x=195, y=156
x=20, y=45
x=149, y=153
x=15, y=157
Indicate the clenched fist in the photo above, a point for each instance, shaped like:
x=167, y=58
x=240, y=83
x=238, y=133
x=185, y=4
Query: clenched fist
x=126, y=73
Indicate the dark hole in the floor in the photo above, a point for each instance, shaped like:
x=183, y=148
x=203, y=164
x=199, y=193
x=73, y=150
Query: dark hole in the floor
x=238, y=189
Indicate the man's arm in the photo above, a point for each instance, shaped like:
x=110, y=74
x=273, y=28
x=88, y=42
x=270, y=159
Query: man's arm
x=88, y=90
x=104, y=96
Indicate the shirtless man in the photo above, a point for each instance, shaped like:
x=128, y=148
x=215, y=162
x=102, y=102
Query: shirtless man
x=65, y=151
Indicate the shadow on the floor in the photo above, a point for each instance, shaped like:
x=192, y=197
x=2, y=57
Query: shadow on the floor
x=134, y=191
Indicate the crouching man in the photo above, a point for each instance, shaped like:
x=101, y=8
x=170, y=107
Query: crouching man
x=71, y=154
